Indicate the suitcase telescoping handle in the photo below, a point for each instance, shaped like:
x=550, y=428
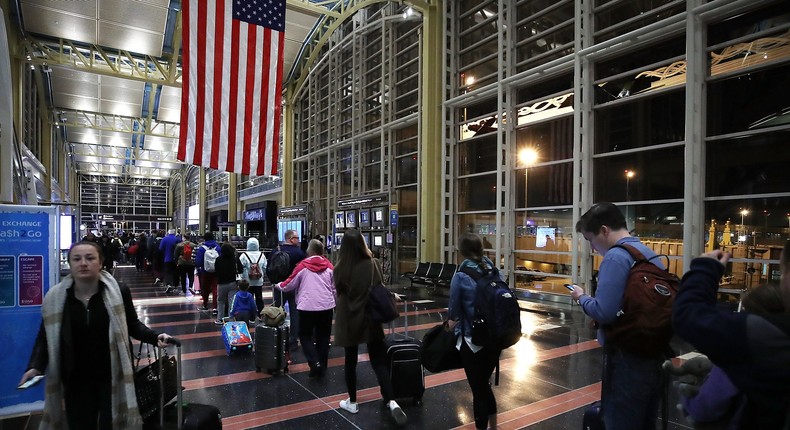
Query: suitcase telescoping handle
x=179, y=394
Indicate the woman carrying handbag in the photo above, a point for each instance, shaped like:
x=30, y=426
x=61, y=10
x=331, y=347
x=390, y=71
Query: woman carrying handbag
x=88, y=361
x=353, y=324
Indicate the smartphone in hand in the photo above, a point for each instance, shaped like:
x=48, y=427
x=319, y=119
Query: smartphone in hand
x=569, y=287
x=30, y=382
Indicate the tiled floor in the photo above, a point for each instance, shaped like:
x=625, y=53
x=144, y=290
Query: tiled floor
x=546, y=379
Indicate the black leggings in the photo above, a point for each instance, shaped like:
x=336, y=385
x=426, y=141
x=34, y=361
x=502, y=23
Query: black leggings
x=377, y=351
x=478, y=368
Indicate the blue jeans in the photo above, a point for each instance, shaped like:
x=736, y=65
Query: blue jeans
x=633, y=391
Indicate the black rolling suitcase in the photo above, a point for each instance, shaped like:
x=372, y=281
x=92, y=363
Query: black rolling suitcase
x=593, y=417
x=192, y=416
x=271, y=348
x=404, y=365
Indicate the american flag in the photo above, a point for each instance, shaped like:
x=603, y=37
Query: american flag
x=232, y=78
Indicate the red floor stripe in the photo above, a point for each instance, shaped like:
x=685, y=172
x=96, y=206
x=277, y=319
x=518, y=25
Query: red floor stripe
x=545, y=408
x=542, y=410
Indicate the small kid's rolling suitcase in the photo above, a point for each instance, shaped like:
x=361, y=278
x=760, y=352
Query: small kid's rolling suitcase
x=236, y=337
x=271, y=348
x=181, y=416
x=593, y=418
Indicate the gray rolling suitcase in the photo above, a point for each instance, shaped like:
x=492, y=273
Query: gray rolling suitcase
x=271, y=349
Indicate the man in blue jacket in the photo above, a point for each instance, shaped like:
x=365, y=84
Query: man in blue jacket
x=168, y=247
x=632, y=381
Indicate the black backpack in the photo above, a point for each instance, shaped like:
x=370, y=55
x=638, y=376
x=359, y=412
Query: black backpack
x=279, y=267
x=497, y=319
x=644, y=324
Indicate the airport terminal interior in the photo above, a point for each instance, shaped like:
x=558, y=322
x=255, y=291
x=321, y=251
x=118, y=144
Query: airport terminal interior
x=415, y=121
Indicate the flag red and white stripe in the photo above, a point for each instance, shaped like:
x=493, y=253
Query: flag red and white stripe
x=232, y=84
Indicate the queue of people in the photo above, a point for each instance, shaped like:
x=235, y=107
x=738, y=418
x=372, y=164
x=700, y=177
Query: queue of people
x=748, y=388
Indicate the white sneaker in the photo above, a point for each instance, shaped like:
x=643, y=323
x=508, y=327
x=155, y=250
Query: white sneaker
x=349, y=406
x=397, y=413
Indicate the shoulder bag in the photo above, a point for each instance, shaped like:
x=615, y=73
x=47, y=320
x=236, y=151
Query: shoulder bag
x=381, y=301
x=149, y=381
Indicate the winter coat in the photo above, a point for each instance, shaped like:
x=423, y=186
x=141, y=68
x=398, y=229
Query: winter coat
x=168, y=247
x=201, y=251
x=243, y=301
x=352, y=321
x=227, y=265
x=312, y=280
x=753, y=350
x=250, y=256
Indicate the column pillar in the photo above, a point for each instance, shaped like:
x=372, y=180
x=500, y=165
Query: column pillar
x=431, y=144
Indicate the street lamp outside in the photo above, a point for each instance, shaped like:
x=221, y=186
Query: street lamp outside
x=628, y=175
x=528, y=157
x=743, y=213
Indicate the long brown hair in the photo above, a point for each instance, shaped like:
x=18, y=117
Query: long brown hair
x=352, y=251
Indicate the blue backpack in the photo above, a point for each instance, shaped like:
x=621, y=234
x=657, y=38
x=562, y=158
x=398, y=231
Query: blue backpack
x=497, y=319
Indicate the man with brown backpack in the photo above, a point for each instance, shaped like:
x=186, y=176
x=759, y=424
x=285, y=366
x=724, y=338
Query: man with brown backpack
x=635, y=341
x=185, y=261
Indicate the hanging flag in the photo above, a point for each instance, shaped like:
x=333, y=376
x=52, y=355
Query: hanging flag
x=232, y=79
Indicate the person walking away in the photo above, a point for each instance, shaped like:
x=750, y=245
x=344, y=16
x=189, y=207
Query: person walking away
x=352, y=277
x=252, y=256
x=109, y=252
x=208, y=278
x=185, y=263
x=632, y=381
x=312, y=282
x=291, y=246
x=167, y=247
x=243, y=307
x=479, y=362
x=228, y=265
x=88, y=361
x=142, y=253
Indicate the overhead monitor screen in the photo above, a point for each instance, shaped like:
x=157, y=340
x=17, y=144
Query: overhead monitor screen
x=351, y=219
x=284, y=225
x=378, y=217
x=544, y=237
x=364, y=218
x=378, y=240
x=340, y=219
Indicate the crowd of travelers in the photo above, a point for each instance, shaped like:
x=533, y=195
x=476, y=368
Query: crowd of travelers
x=746, y=381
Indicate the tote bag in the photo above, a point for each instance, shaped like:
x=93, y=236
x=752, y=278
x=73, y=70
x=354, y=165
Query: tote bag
x=381, y=302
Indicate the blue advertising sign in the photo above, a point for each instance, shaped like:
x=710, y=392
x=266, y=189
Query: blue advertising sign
x=28, y=267
x=393, y=218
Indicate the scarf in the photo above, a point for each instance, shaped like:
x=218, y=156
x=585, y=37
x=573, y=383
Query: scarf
x=125, y=414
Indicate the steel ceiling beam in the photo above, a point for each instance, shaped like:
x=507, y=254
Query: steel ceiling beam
x=317, y=8
x=95, y=59
x=88, y=179
x=110, y=170
x=119, y=123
